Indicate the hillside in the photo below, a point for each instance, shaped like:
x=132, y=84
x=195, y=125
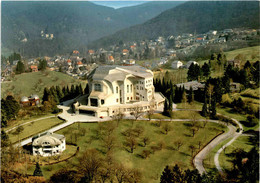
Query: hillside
x=73, y=24
x=191, y=17
x=34, y=83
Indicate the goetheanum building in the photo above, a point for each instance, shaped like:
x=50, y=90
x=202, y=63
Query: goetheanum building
x=48, y=144
x=120, y=87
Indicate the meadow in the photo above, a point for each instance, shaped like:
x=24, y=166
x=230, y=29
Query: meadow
x=152, y=166
x=34, y=83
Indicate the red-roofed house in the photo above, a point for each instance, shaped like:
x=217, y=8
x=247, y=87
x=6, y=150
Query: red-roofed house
x=111, y=58
x=79, y=63
x=125, y=51
x=91, y=52
x=34, y=68
x=69, y=62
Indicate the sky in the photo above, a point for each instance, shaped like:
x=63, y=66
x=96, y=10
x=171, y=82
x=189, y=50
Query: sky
x=118, y=4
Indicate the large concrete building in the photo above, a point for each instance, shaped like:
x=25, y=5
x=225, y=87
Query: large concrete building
x=120, y=87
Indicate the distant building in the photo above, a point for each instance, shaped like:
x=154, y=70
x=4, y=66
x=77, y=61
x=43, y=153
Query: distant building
x=48, y=144
x=191, y=62
x=235, y=63
x=194, y=84
x=125, y=51
x=177, y=64
x=91, y=52
x=33, y=100
x=34, y=68
x=129, y=62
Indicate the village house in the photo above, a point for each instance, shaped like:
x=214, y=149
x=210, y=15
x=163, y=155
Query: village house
x=234, y=63
x=177, y=64
x=194, y=84
x=125, y=52
x=34, y=68
x=114, y=88
x=48, y=144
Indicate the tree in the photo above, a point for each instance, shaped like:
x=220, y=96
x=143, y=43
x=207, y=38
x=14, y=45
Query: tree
x=9, y=109
x=42, y=65
x=145, y=140
x=137, y=112
x=109, y=142
x=167, y=175
x=20, y=67
x=37, y=171
x=204, y=111
x=205, y=70
x=191, y=95
x=64, y=176
x=167, y=128
x=59, y=93
x=192, y=149
x=86, y=90
x=118, y=115
x=4, y=139
x=89, y=164
x=165, y=108
x=131, y=143
x=150, y=112
x=178, y=143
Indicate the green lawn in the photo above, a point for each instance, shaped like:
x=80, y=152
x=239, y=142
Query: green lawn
x=247, y=52
x=241, y=142
x=208, y=162
x=194, y=105
x=151, y=167
x=26, y=119
x=33, y=83
x=34, y=128
x=178, y=115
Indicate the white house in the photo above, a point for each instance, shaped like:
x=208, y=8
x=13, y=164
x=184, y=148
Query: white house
x=176, y=64
x=124, y=87
x=48, y=144
x=188, y=64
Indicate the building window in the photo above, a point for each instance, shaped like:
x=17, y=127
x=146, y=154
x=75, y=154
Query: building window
x=94, y=102
x=127, y=98
x=102, y=101
x=117, y=100
x=97, y=87
x=131, y=89
x=131, y=98
x=117, y=89
x=127, y=88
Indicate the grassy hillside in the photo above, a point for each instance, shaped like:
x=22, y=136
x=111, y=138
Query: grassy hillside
x=250, y=53
x=33, y=83
x=152, y=166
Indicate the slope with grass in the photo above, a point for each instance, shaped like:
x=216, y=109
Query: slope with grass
x=33, y=128
x=152, y=166
x=34, y=83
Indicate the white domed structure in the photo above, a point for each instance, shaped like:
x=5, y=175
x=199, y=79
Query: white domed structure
x=34, y=96
x=24, y=99
x=48, y=144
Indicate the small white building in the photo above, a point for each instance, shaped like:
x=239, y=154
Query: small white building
x=48, y=144
x=191, y=62
x=176, y=64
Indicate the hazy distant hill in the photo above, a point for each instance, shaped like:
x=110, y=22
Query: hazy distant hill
x=74, y=24
x=191, y=17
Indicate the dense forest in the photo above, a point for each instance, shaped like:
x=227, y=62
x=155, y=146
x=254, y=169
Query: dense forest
x=191, y=17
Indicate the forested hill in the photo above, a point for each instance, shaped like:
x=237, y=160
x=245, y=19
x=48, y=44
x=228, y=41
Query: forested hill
x=190, y=17
x=73, y=24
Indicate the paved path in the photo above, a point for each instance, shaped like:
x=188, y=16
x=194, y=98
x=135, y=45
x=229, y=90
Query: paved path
x=235, y=136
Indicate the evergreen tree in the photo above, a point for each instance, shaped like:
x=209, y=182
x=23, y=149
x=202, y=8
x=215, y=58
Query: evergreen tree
x=204, y=111
x=46, y=94
x=4, y=139
x=213, y=110
x=170, y=104
x=20, y=67
x=205, y=70
x=59, y=93
x=77, y=92
x=72, y=91
x=37, y=171
x=183, y=97
x=191, y=95
x=166, y=108
x=167, y=175
x=42, y=65
x=80, y=90
x=54, y=94
x=86, y=90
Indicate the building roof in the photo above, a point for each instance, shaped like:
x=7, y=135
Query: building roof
x=48, y=139
x=194, y=84
x=34, y=96
x=24, y=99
x=118, y=73
x=34, y=67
